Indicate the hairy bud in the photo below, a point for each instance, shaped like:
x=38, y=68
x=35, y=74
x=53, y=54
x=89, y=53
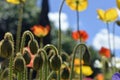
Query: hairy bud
x=26, y=56
x=65, y=73
x=38, y=61
x=55, y=62
x=6, y=48
x=19, y=63
x=33, y=45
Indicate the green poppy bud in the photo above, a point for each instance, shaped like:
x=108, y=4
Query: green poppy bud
x=38, y=62
x=33, y=45
x=65, y=56
x=26, y=56
x=19, y=63
x=8, y=36
x=55, y=62
x=6, y=48
x=86, y=57
x=65, y=73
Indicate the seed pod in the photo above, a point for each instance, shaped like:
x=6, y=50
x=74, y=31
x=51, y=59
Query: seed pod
x=19, y=63
x=55, y=62
x=33, y=45
x=86, y=57
x=6, y=48
x=26, y=56
x=65, y=73
x=38, y=62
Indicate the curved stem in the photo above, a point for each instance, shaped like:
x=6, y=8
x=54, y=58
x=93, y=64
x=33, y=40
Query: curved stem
x=73, y=58
x=19, y=28
x=46, y=63
x=50, y=46
x=24, y=38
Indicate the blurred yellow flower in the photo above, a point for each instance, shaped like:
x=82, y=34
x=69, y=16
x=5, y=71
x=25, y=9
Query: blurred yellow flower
x=86, y=70
x=82, y=4
x=118, y=3
x=15, y=1
x=109, y=15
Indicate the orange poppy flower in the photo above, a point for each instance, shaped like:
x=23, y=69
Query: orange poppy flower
x=40, y=31
x=105, y=52
x=100, y=77
x=81, y=34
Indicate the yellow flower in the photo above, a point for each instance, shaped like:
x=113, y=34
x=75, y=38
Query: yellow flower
x=82, y=4
x=109, y=15
x=15, y=1
x=86, y=70
x=118, y=3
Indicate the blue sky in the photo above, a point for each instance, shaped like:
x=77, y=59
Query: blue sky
x=89, y=21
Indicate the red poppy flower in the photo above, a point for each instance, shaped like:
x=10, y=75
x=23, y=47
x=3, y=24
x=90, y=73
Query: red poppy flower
x=105, y=52
x=81, y=34
x=40, y=31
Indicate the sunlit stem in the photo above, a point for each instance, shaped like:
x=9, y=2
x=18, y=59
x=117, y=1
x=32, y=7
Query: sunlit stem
x=73, y=58
x=19, y=27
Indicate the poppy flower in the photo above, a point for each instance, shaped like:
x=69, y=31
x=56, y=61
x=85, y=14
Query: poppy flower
x=86, y=70
x=82, y=4
x=77, y=62
x=116, y=76
x=105, y=52
x=118, y=4
x=15, y=1
x=81, y=34
x=106, y=16
x=40, y=31
x=100, y=77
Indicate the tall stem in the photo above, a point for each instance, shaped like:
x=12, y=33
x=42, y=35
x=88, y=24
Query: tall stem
x=59, y=35
x=19, y=28
x=109, y=44
x=77, y=14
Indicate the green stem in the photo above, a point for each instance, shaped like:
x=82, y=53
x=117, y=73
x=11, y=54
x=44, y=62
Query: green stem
x=59, y=35
x=73, y=58
x=11, y=68
x=41, y=42
x=50, y=75
x=40, y=74
x=19, y=76
x=46, y=63
x=19, y=28
x=109, y=44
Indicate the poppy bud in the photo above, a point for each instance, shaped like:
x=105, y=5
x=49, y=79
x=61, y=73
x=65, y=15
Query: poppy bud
x=19, y=63
x=86, y=57
x=8, y=36
x=65, y=73
x=65, y=56
x=38, y=62
x=6, y=48
x=26, y=56
x=33, y=45
x=55, y=62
